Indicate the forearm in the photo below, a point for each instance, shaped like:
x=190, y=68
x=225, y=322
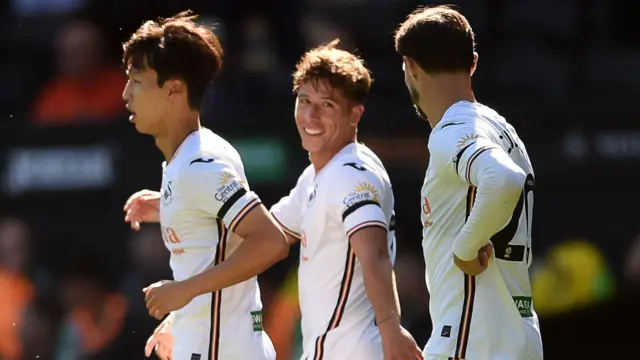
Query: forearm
x=379, y=282
x=497, y=193
x=248, y=260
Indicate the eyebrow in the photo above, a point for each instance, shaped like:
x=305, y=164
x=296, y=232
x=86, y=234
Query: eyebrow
x=325, y=97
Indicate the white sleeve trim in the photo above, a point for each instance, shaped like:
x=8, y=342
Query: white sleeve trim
x=500, y=182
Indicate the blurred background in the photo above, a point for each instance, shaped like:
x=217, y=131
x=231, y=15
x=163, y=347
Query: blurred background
x=563, y=72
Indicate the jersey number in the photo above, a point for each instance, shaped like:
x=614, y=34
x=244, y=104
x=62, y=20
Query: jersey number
x=501, y=239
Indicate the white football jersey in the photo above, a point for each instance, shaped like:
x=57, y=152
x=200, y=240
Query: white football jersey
x=324, y=209
x=204, y=196
x=490, y=316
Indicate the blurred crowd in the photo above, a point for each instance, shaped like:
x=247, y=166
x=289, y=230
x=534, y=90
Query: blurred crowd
x=572, y=60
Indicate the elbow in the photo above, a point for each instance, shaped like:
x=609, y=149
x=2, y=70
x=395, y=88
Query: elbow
x=512, y=181
x=280, y=246
x=283, y=249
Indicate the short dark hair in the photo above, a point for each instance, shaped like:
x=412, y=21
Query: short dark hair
x=342, y=69
x=177, y=48
x=439, y=39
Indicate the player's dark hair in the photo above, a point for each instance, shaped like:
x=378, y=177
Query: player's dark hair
x=177, y=48
x=342, y=69
x=439, y=39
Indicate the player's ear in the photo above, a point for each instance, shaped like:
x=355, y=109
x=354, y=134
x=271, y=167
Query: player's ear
x=356, y=114
x=475, y=63
x=410, y=66
x=175, y=87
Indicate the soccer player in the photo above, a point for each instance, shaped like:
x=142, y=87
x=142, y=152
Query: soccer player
x=476, y=200
x=341, y=210
x=204, y=199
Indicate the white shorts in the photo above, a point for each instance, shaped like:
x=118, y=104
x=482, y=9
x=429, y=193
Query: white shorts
x=195, y=340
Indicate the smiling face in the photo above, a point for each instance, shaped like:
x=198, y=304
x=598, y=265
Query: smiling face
x=325, y=118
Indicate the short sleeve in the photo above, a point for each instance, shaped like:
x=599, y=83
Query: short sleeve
x=288, y=211
x=216, y=188
x=459, y=149
x=358, y=194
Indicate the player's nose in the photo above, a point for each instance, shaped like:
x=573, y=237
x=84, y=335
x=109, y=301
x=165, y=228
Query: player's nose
x=312, y=113
x=126, y=94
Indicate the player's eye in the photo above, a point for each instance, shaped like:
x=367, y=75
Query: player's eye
x=327, y=104
x=303, y=101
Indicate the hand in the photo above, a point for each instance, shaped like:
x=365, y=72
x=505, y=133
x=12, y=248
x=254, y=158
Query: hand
x=161, y=341
x=143, y=206
x=478, y=265
x=397, y=343
x=164, y=297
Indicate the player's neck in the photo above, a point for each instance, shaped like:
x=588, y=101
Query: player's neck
x=177, y=131
x=444, y=92
x=320, y=159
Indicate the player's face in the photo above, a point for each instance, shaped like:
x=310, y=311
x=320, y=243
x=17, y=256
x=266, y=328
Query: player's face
x=145, y=100
x=325, y=118
x=410, y=81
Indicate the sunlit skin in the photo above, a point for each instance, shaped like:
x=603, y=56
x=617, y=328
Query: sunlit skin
x=160, y=111
x=326, y=120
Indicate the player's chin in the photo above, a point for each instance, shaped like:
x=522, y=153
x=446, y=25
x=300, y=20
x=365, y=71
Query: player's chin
x=312, y=143
x=141, y=127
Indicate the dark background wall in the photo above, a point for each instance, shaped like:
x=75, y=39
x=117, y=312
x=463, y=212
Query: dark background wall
x=564, y=73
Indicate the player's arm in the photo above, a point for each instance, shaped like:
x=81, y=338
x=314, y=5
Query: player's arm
x=370, y=247
x=288, y=214
x=241, y=212
x=358, y=200
x=366, y=227
x=496, y=183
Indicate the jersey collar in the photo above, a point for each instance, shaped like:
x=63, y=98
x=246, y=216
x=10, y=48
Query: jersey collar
x=447, y=118
x=349, y=148
x=182, y=145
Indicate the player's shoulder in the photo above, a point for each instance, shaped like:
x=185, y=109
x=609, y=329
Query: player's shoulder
x=464, y=123
x=357, y=166
x=209, y=163
x=207, y=152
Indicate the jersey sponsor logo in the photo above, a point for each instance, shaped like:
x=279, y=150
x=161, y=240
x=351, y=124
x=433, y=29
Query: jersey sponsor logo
x=446, y=331
x=466, y=139
x=170, y=236
x=523, y=304
x=201, y=160
x=426, y=212
x=303, y=247
x=227, y=186
x=256, y=320
x=358, y=167
x=362, y=192
x=312, y=195
x=171, y=240
x=167, y=194
x=450, y=124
